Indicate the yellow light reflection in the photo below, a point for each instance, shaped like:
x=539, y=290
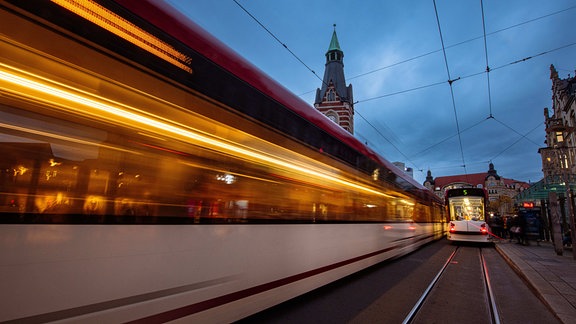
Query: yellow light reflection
x=119, y=26
x=61, y=137
x=406, y=202
x=117, y=112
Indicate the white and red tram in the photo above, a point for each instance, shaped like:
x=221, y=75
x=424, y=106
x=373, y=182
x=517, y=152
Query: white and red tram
x=150, y=174
x=467, y=215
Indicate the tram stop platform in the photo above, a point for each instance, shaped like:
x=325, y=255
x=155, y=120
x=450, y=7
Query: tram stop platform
x=552, y=277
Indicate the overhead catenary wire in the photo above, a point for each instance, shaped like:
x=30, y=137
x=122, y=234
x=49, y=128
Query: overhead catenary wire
x=421, y=55
x=302, y=62
x=450, y=81
x=277, y=39
x=460, y=43
x=401, y=92
x=515, y=131
x=458, y=166
x=487, y=71
x=468, y=75
x=471, y=127
x=487, y=64
x=390, y=142
x=448, y=138
x=518, y=140
x=461, y=78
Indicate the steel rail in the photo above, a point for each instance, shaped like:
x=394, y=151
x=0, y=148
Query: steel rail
x=426, y=293
x=491, y=300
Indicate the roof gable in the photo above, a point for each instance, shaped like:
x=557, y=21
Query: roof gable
x=474, y=180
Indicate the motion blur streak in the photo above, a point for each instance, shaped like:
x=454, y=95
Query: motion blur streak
x=128, y=31
x=159, y=126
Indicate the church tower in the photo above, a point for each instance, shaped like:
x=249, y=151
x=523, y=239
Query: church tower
x=335, y=99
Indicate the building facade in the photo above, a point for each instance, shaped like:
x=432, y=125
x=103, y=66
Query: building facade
x=501, y=191
x=558, y=156
x=335, y=99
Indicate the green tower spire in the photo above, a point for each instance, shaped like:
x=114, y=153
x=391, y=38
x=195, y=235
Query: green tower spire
x=334, y=45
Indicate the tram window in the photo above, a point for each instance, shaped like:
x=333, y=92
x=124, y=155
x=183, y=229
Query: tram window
x=469, y=208
x=43, y=129
x=62, y=171
x=64, y=168
x=422, y=213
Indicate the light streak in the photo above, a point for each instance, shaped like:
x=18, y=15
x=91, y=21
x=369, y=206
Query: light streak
x=121, y=27
x=61, y=137
x=131, y=118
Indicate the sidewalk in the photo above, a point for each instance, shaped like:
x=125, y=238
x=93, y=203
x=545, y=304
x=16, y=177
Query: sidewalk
x=550, y=276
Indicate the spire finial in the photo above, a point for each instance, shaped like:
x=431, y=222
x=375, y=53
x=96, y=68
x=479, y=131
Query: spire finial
x=334, y=45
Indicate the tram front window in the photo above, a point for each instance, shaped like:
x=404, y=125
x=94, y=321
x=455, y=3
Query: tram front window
x=466, y=209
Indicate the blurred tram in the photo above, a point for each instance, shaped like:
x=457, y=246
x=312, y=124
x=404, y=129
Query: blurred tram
x=467, y=215
x=150, y=174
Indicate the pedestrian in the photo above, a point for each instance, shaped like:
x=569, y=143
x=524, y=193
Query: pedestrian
x=496, y=226
x=521, y=235
x=567, y=238
x=539, y=224
x=513, y=228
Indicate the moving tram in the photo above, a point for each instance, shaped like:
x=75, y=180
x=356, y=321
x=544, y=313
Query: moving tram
x=150, y=174
x=467, y=215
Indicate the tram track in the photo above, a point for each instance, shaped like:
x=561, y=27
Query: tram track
x=387, y=293
x=449, y=281
x=492, y=301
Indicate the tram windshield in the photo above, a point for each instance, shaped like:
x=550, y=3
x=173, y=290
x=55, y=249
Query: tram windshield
x=466, y=209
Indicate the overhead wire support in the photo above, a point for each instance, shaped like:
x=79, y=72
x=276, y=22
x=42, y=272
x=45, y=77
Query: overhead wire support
x=450, y=81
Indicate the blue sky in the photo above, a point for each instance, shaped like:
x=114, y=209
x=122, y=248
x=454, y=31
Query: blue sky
x=393, y=58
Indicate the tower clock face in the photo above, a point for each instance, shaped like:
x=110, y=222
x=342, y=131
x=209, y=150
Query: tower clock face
x=333, y=118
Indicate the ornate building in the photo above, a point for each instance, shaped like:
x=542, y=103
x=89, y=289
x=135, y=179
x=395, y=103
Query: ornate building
x=335, y=99
x=558, y=157
x=501, y=191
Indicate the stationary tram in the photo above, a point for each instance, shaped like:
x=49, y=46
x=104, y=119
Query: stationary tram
x=150, y=174
x=467, y=215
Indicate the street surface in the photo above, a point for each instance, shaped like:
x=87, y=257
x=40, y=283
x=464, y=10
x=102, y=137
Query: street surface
x=386, y=293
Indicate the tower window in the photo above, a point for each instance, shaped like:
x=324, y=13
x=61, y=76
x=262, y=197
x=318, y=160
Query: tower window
x=331, y=95
x=559, y=137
